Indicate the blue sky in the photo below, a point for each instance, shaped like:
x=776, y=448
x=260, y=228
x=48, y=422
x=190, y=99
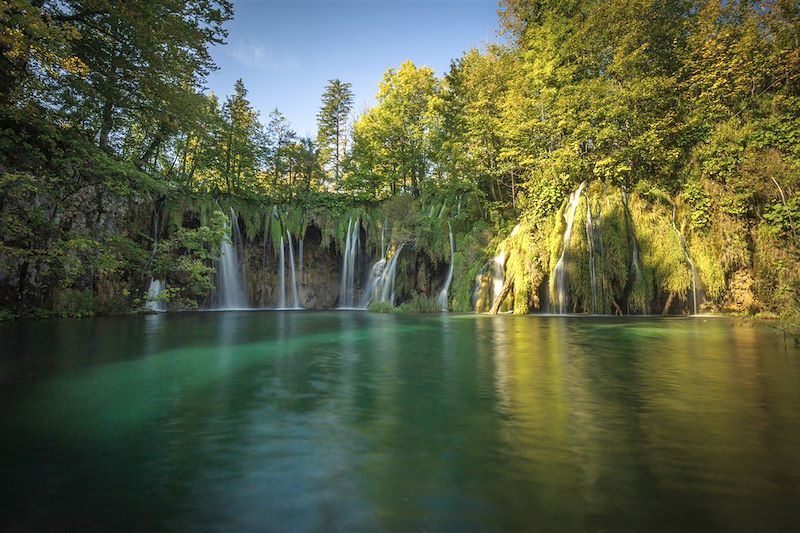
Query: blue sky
x=286, y=50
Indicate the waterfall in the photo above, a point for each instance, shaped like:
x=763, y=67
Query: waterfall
x=590, y=232
x=156, y=285
x=374, y=284
x=442, y=299
x=689, y=261
x=560, y=271
x=498, y=275
x=230, y=285
x=490, y=279
x=375, y=274
x=387, y=294
x=295, y=300
x=153, y=291
x=349, y=264
x=380, y=288
x=282, y=276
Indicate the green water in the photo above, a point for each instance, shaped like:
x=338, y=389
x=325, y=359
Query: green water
x=358, y=421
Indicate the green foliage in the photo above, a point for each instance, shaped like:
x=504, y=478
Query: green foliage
x=184, y=260
x=470, y=257
x=420, y=304
x=785, y=217
x=381, y=307
x=396, y=135
x=337, y=101
x=700, y=204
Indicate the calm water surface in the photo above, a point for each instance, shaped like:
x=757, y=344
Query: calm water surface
x=357, y=421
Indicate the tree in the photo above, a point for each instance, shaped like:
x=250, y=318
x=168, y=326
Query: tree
x=279, y=137
x=241, y=160
x=337, y=101
x=468, y=142
x=144, y=61
x=397, y=134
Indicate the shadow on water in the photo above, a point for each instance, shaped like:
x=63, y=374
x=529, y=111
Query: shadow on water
x=352, y=420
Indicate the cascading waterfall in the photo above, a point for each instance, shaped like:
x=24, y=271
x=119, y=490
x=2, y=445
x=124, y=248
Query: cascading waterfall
x=375, y=279
x=380, y=288
x=498, y=274
x=494, y=268
x=689, y=261
x=282, y=276
x=560, y=271
x=156, y=285
x=494, y=286
x=295, y=300
x=590, y=232
x=442, y=298
x=349, y=264
x=388, y=294
x=230, y=285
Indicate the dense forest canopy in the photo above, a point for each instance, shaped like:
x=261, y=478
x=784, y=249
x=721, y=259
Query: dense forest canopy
x=691, y=108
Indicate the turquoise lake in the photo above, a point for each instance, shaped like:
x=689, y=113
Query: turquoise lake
x=356, y=421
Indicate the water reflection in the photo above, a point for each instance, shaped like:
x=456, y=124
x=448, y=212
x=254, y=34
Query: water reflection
x=363, y=421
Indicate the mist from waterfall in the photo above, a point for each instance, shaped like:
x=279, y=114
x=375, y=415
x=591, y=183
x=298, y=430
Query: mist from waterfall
x=443, y=294
x=560, y=271
x=230, y=283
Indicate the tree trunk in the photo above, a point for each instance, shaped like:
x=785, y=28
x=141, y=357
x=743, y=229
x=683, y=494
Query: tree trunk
x=158, y=138
x=665, y=311
x=507, y=284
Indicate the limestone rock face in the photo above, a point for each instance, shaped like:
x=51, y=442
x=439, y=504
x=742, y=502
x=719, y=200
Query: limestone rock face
x=741, y=292
x=319, y=283
x=317, y=271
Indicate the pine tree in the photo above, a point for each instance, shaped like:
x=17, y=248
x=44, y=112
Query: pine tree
x=337, y=101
